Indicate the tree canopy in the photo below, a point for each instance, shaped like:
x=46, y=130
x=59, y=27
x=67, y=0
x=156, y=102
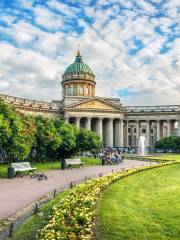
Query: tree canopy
x=169, y=143
x=40, y=139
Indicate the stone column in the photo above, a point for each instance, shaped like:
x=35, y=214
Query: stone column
x=178, y=131
x=100, y=128
x=110, y=133
x=148, y=133
x=117, y=133
x=121, y=133
x=164, y=129
x=88, y=123
x=77, y=122
x=172, y=127
x=168, y=128
x=127, y=133
x=137, y=133
x=158, y=129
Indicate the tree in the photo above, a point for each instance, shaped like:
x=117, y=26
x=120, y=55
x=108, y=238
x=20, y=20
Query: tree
x=95, y=142
x=88, y=141
x=169, y=143
x=68, y=133
x=16, y=140
x=48, y=140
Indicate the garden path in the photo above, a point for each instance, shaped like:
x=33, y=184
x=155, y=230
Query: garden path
x=18, y=192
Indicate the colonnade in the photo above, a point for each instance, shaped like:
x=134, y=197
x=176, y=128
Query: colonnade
x=116, y=132
x=153, y=130
x=110, y=130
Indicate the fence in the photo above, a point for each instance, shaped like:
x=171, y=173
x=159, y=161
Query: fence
x=34, y=207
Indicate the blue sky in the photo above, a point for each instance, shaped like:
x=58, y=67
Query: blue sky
x=132, y=46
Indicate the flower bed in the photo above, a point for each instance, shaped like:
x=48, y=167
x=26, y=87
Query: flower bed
x=73, y=217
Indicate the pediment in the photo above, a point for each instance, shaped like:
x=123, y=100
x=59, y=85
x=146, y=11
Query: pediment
x=95, y=104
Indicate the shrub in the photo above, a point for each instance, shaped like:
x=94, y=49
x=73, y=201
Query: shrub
x=73, y=217
x=169, y=143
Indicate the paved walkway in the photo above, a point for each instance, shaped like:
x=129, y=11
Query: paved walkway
x=18, y=192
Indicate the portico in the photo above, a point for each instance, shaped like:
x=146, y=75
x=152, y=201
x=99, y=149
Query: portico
x=110, y=130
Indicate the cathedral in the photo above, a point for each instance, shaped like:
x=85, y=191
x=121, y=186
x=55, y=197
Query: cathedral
x=117, y=125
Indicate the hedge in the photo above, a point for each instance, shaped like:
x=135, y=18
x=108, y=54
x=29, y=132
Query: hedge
x=73, y=217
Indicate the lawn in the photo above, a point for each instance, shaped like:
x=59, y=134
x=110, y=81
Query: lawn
x=144, y=206
x=29, y=229
x=167, y=156
x=46, y=166
x=159, y=157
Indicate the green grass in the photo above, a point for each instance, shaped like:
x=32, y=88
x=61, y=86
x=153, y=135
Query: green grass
x=167, y=156
x=29, y=229
x=144, y=206
x=47, y=166
x=3, y=170
x=91, y=161
x=160, y=157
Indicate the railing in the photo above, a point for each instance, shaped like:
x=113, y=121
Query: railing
x=34, y=208
x=29, y=103
x=163, y=108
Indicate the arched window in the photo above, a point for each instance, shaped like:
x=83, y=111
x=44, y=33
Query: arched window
x=81, y=89
x=69, y=89
x=75, y=90
x=87, y=90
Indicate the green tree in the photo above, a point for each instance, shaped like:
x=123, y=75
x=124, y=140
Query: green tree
x=88, y=141
x=95, y=142
x=169, y=143
x=48, y=140
x=68, y=133
x=14, y=131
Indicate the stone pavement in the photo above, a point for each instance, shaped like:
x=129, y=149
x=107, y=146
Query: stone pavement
x=19, y=192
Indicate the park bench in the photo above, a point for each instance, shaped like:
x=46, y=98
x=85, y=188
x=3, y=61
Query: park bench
x=76, y=161
x=21, y=167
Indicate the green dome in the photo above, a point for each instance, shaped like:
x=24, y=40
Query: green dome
x=78, y=67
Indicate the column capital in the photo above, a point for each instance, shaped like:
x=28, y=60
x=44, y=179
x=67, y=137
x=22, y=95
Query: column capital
x=100, y=118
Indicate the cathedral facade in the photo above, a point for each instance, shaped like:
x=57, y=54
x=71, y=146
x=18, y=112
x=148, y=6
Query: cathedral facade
x=117, y=125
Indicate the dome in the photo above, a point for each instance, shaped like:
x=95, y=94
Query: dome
x=78, y=79
x=78, y=68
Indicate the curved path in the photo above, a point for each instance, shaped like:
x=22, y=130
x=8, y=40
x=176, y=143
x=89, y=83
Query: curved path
x=18, y=192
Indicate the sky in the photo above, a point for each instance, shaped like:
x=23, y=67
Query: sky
x=132, y=46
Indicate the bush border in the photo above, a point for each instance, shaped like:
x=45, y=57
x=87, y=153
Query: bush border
x=74, y=216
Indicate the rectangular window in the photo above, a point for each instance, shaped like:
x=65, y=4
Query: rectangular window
x=143, y=130
x=134, y=130
x=129, y=130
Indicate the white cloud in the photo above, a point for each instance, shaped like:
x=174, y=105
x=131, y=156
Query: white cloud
x=28, y=73
x=62, y=7
x=47, y=18
x=42, y=49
